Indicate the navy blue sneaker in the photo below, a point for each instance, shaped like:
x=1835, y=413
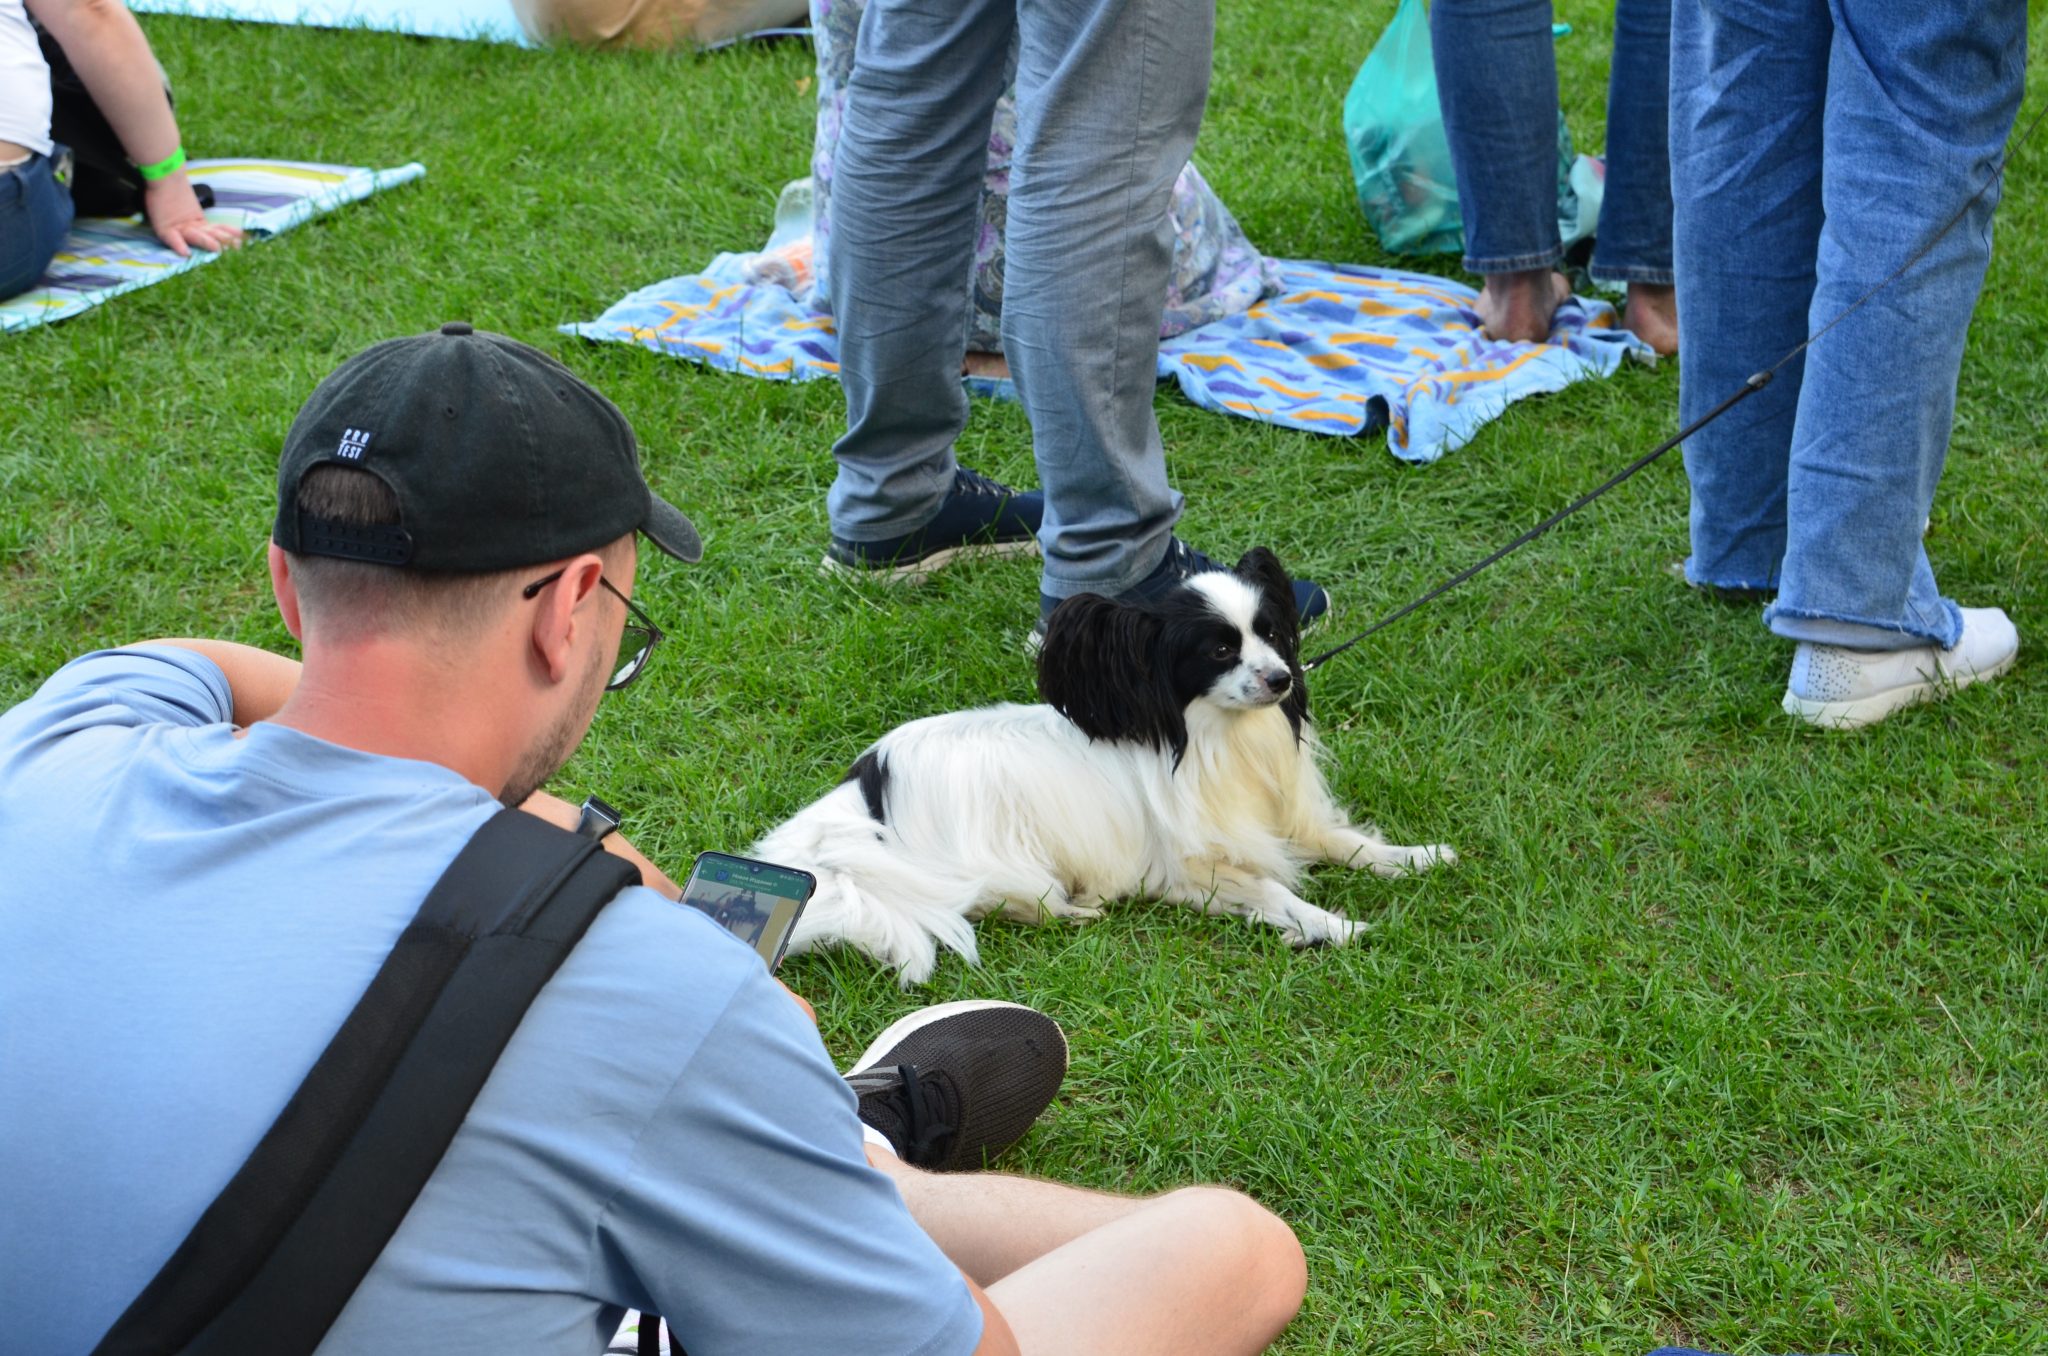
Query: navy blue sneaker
x=1311, y=600
x=978, y=517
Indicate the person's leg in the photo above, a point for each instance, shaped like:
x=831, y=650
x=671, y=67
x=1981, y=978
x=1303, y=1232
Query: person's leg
x=1109, y=96
x=35, y=212
x=1634, y=242
x=992, y=1223
x=1496, y=74
x=1920, y=99
x=906, y=193
x=1747, y=84
x=1197, y=1271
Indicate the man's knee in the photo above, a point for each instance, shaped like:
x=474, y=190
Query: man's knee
x=1253, y=1242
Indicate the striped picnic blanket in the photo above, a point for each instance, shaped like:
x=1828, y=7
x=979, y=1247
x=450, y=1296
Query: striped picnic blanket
x=103, y=257
x=1340, y=350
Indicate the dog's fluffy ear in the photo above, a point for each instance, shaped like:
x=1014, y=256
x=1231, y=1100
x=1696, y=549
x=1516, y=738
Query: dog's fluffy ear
x=1263, y=571
x=1101, y=668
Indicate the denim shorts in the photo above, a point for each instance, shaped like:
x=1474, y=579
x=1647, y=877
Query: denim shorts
x=35, y=212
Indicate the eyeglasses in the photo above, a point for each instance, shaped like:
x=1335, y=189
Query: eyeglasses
x=636, y=642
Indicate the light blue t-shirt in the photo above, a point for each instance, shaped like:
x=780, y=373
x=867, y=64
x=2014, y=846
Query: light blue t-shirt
x=187, y=917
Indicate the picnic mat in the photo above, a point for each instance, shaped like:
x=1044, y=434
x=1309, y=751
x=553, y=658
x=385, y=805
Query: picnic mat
x=1340, y=350
x=477, y=20
x=487, y=20
x=103, y=257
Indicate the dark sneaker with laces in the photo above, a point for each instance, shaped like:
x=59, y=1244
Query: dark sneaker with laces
x=954, y=1085
x=1311, y=600
x=978, y=517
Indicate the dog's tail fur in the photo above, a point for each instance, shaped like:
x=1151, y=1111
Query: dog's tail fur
x=868, y=896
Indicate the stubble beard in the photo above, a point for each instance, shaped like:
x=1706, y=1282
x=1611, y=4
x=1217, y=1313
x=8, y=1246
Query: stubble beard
x=546, y=755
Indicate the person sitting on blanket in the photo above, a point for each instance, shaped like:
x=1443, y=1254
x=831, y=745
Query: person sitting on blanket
x=101, y=41
x=211, y=849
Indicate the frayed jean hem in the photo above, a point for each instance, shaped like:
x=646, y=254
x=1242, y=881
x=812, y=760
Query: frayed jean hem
x=1768, y=584
x=1514, y=263
x=1633, y=273
x=1859, y=633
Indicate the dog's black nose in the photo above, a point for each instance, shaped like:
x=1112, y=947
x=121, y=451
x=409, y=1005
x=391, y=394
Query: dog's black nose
x=1279, y=680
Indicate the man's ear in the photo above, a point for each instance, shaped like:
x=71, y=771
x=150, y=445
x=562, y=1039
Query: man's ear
x=287, y=591
x=561, y=621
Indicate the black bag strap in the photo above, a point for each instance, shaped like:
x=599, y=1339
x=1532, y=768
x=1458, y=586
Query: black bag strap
x=274, y=1259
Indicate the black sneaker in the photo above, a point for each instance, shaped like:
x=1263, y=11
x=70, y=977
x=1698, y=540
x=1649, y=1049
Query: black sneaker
x=978, y=517
x=1311, y=600
x=954, y=1085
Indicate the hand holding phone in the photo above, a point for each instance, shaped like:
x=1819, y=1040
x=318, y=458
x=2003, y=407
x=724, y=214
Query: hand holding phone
x=757, y=902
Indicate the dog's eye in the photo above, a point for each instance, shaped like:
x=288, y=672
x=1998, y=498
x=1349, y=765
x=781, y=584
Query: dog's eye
x=1223, y=651
x=1263, y=629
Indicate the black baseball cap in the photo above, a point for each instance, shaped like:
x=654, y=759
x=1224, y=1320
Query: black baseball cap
x=499, y=456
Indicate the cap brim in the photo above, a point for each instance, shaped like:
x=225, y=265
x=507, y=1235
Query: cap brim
x=667, y=528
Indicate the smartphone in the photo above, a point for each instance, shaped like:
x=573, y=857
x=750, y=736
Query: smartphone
x=757, y=902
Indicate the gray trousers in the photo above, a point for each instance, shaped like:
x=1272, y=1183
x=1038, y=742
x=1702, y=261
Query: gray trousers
x=1109, y=97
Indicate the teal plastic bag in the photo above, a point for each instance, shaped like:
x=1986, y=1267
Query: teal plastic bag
x=1401, y=163
x=1394, y=127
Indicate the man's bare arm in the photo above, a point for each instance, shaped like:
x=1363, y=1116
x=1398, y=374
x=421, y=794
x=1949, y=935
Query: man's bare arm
x=108, y=50
x=560, y=812
x=258, y=680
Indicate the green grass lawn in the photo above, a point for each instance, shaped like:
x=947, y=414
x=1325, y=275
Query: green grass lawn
x=1722, y=1032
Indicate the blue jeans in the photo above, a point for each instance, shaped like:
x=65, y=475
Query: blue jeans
x=1814, y=148
x=1496, y=74
x=1109, y=96
x=35, y=212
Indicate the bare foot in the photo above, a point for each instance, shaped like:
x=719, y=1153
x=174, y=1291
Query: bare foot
x=1653, y=315
x=1517, y=308
x=986, y=365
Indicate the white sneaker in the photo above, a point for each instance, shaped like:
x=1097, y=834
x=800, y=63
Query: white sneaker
x=1838, y=688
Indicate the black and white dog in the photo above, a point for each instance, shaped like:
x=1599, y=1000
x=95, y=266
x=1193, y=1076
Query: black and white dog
x=1173, y=759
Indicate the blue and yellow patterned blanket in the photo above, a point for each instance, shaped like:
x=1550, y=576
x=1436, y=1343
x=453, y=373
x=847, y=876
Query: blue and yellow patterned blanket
x=102, y=257
x=1339, y=350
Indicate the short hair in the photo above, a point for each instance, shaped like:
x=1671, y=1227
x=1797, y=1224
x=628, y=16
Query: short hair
x=353, y=597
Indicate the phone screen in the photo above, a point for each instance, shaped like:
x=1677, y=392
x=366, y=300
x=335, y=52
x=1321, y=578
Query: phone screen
x=757, y=902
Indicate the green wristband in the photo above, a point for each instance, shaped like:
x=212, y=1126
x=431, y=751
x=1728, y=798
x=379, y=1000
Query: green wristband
x=163, y=168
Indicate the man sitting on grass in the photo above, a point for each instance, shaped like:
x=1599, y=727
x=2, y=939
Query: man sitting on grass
x=210, y=850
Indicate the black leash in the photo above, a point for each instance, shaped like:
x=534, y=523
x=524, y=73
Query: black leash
x=1749, y=388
